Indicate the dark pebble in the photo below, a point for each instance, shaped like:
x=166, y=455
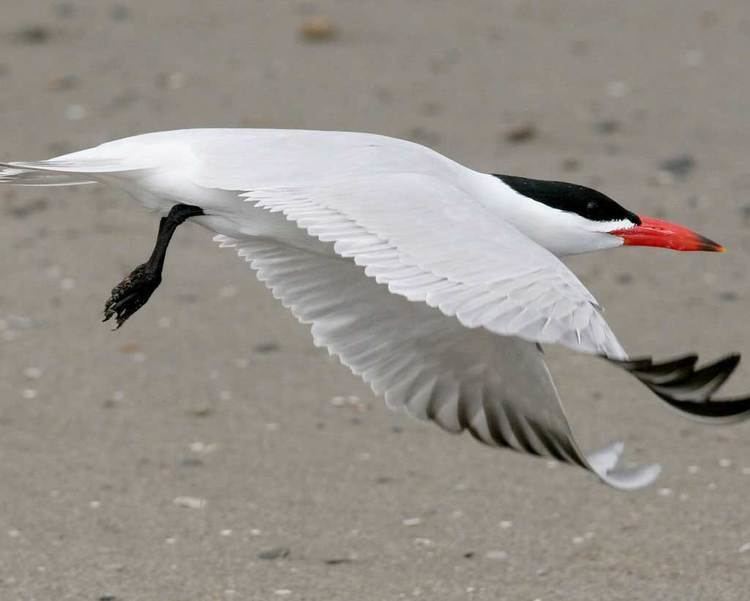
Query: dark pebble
x=267, y=347
x=607, y=126
x=205, y=411
x=421, y=135
x=64, y=83
x=23, y=210
x=107, y=598
x=570, y=164
x=623, y=278
x=64, y=10
x=120, y=12
x=469, y=554
x=522, y=133
x=191, y=462
x=680, y=165
x=729, y=296
x=275, y=553
x=33, y=34
x=336, y=561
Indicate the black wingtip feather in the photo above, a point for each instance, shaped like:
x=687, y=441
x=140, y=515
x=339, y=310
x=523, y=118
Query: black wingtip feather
x=691, y=390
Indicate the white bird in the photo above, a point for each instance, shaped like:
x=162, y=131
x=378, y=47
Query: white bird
x=435, y=283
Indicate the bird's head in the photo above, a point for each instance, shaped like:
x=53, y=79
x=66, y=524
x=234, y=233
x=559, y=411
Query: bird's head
x=569, y=219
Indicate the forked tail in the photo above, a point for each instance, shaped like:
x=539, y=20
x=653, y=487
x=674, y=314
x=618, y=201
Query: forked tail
x=28, y=174
x=68, y=170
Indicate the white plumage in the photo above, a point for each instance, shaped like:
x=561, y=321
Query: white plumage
x=427, y=279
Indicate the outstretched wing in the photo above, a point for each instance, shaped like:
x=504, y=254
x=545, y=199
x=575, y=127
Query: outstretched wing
x=496, y=387
x=430, y=241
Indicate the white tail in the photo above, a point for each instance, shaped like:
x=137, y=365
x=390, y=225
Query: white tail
x=68, y=170
x=40, y=174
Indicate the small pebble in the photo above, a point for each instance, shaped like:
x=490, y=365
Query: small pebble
x=665, y=492
x=190, y=502
x=693, y=469
x=617, y=89
x=172, y=81
x=577, y=540
x=411, y=521
x=32, y=373
x=746, y=471
x=744, y=548
x=170, y=540
x=202, y=447
x=423, y=542
x=225, y=395
x=75, y=112
x=29, y=393
x=255, y=532
x=724, y=462
x=120, y=12
x=679, y=166
x=272, y=427
x=33, y=34
x=318, y=28
x=498, y=555
x=226, y=532
x=95, y=504
x=227, y=291
x=274, y=553
x=505, y=524
x=335, y=561
x=282, y=592
x=607, y=126
x=265, y=348
x=521, y=133
x=13, y=533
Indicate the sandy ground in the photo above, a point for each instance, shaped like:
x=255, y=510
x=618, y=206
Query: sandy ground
x=213, y=392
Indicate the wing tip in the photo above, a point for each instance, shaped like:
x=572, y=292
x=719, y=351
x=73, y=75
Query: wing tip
x=605, y=463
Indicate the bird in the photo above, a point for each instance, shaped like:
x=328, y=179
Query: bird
x=437, y=284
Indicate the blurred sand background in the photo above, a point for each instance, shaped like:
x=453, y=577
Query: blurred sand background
x=208, y=452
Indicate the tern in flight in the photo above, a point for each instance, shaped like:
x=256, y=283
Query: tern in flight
x=436, y=284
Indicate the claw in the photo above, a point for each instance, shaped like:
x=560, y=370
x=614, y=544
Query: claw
x=131, y=294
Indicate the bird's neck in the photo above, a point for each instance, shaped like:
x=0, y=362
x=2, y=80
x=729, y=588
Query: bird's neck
x=561, y=232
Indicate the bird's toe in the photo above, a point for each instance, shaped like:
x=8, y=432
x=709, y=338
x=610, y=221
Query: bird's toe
x=131, y=294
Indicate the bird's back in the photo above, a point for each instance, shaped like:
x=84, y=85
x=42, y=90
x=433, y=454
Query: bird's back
x=272, y=157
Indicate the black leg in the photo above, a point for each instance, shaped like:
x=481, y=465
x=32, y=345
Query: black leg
x=135, y=290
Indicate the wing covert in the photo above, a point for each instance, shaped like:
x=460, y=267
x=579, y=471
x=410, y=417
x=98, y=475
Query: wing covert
x=430, y=242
